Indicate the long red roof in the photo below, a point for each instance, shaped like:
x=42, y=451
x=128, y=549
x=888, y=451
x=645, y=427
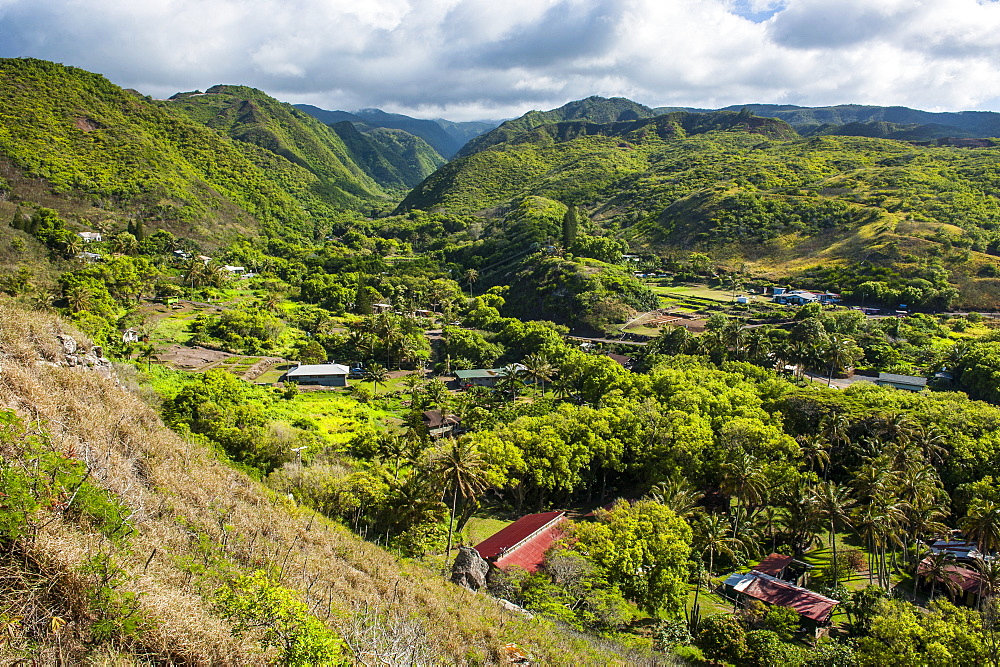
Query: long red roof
x=524, y=542
x=775, y=591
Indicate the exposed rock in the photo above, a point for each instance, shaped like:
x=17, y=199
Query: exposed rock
x=469, y=569
x=69, y=344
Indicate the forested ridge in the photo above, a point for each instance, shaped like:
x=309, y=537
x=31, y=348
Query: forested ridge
x=610, y=276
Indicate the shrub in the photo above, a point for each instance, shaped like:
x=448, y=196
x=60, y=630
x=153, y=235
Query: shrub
x=254, y=603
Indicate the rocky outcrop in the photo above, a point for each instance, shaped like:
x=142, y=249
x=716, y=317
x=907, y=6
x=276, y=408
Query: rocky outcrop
x=76, y=356
x=469, y=569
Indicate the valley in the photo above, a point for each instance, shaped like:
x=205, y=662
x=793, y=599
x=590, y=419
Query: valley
x=671, y=386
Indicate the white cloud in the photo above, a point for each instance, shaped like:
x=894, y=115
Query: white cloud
x=482, y=58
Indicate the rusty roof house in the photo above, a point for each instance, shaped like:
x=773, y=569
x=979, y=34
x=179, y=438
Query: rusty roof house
x=523, y=543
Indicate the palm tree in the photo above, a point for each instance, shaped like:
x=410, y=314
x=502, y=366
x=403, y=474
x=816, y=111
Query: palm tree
x=982, y=524
x=815, y=449
x=412, y=382
x=539, y=368
x=460, y=467
x=78, y=297
x=677, y=494
x=803, y=521
x=743, y=479
x=939, y=568
x=989, y=579
x=147, y=353
x=376, y=373
x=840, y=352
x=393, y=446
x=712, y=535
x=510, y=379
x=72, y=245
x=832, y=503
x=471, y=276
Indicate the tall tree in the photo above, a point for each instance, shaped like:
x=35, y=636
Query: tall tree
x=570, y=227
x=833, y=502
x=462, y=469
x=376, y=373
x=982, y=524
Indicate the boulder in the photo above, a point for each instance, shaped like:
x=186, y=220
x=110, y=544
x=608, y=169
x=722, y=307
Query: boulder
x=469, y=569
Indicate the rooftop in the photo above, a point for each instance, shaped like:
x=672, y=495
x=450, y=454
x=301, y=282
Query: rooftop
x=524, y=542
x=318, y=369
x=774, y=564
x=902, y=379
x=767, y=588
x=962, y=577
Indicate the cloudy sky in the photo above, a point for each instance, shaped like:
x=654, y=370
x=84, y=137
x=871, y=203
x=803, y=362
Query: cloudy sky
x=468, y=59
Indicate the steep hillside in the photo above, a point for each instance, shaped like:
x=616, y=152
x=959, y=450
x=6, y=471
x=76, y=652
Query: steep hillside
x=951, y=123
x=747, y=189
x=575, y=162
x=396, y=159
x=886, y=130
x=592, y=109
x=103, y=155
x=251, y=116
x=444, y=136
x=127, y=543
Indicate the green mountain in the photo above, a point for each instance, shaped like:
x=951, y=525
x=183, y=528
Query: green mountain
x=750, y=190
x=445, y=136
x=253, y=117
x=396, y=159
x=73, y=141
x=593, y=109
x=465, y=131
x=575, y=162
x=886, y=122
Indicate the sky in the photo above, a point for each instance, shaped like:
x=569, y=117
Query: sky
x=477, y=59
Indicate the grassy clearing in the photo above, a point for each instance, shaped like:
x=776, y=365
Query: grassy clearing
x=336, y=414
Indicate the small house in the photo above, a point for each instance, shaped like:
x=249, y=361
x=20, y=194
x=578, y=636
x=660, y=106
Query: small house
x=130, y=336
x=907, y=382
x=482, y=377
x=785, y=568
x=327, y=375
x=962, y=584
x=620, y=359
x=381, y=308
x=812, y=607
x=90, y=237
x=439, y=423
x=523, y=543
x=235, y=270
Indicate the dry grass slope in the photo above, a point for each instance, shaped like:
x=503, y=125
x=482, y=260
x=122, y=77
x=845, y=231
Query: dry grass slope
x=198, y=522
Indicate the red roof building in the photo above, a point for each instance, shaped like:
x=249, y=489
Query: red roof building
x=961, y=579
x=766, y=588
x=523, y=543
x=774, y=564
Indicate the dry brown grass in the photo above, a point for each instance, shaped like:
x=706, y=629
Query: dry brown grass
x=198, y=521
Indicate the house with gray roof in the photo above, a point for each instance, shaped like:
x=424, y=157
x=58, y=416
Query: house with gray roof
x=327, y=375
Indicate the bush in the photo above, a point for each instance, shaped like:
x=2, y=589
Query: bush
x=255, y=604
x=722, y=637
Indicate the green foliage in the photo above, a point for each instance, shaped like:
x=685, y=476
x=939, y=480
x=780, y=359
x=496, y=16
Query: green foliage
x=900, y=635
x=258, y=607
x=119, y=618
x=723, y=637
x=643, y=547
x=36, y=478
x=230, y=412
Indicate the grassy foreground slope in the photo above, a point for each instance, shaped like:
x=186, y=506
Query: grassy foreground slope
x=128, y=568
